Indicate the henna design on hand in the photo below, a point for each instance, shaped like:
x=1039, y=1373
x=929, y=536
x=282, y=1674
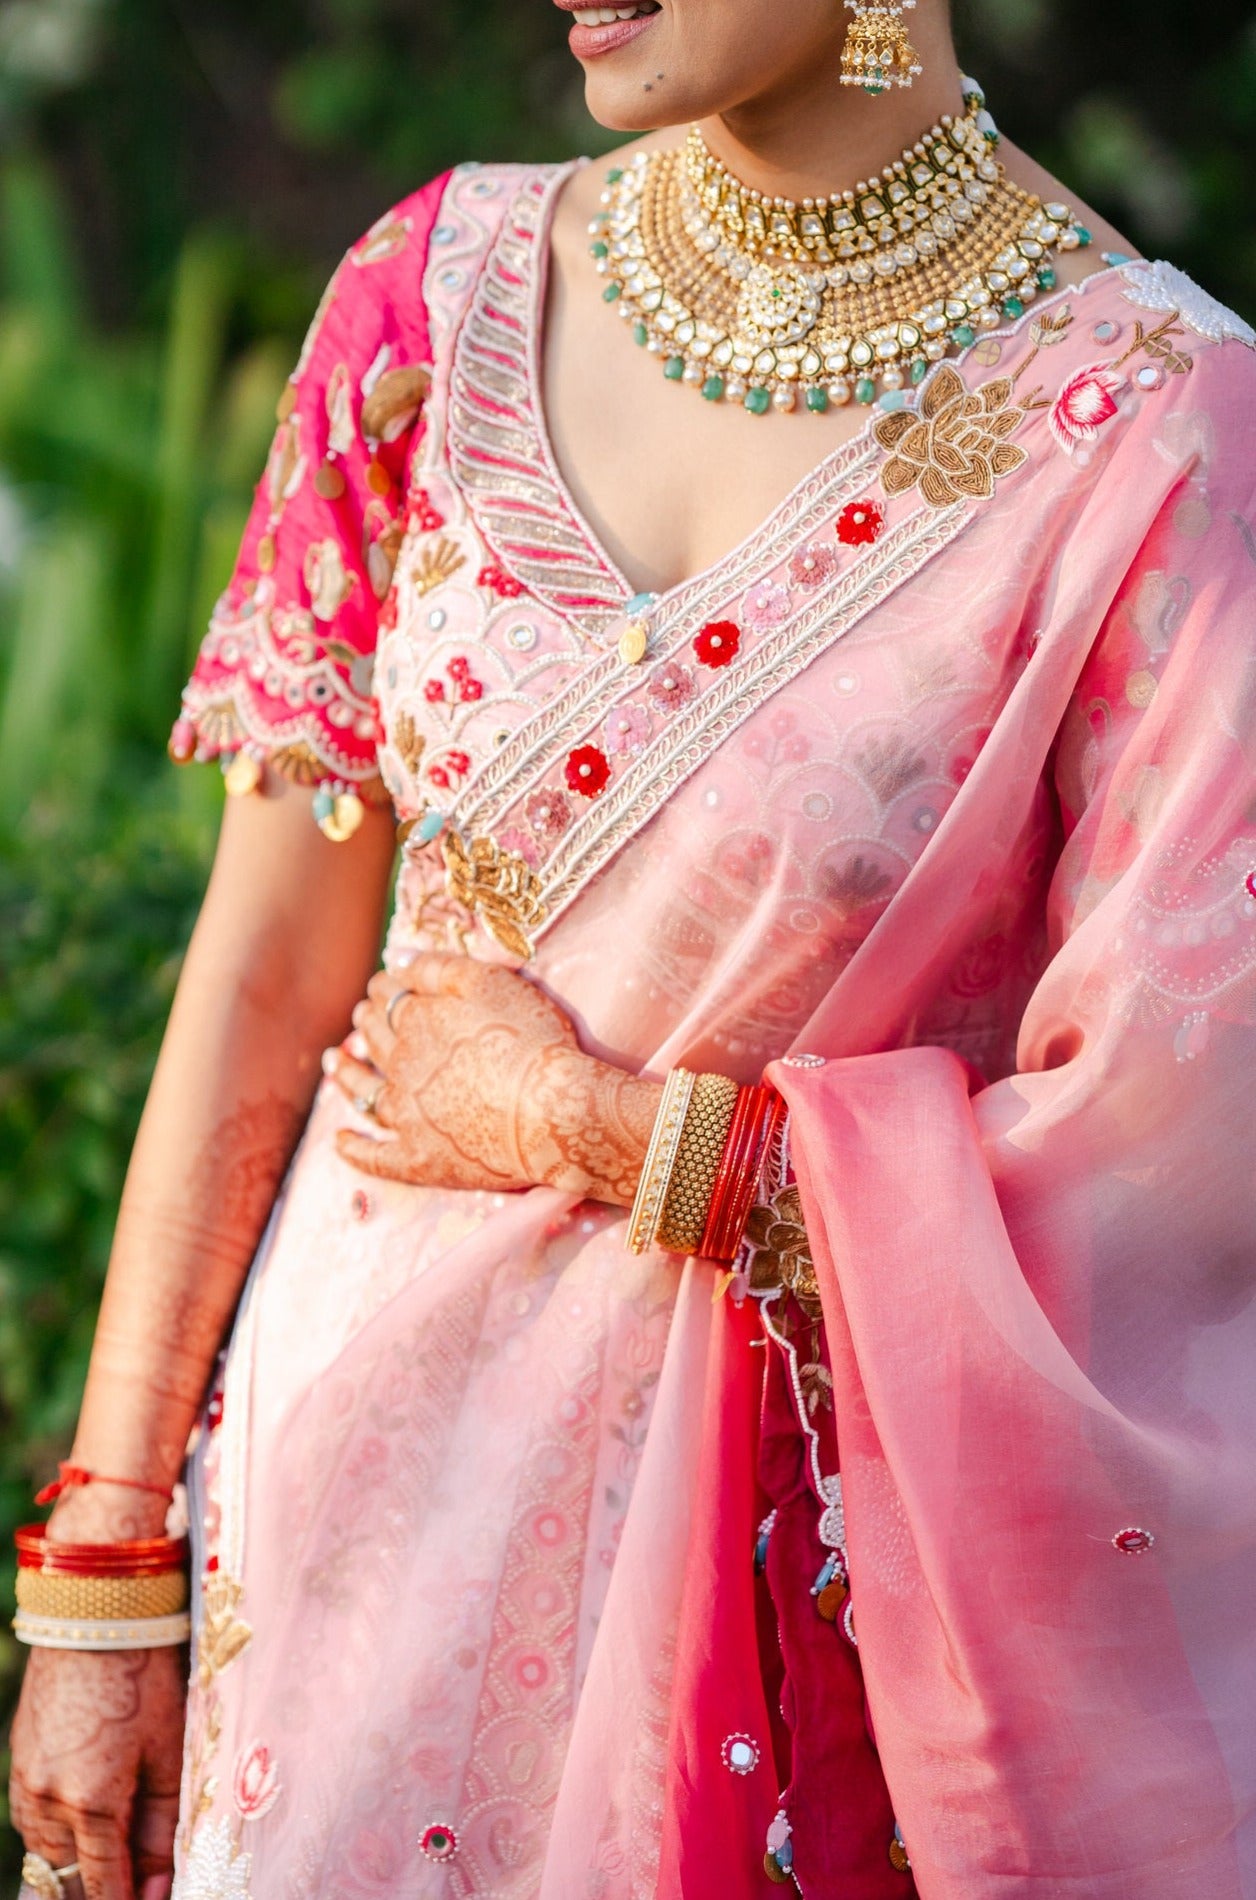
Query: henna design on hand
x=478, y=1081
x=97, y=1749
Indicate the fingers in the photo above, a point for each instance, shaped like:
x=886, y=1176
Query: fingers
x=434, y=974
x=372, y=1155
x=152, y=1834
x=358, y=1080
x=100, y=1847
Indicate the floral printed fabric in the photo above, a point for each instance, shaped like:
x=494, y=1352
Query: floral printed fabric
x=285, y=670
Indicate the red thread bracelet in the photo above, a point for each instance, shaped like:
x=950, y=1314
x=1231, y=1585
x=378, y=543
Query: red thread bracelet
x=71, y=1477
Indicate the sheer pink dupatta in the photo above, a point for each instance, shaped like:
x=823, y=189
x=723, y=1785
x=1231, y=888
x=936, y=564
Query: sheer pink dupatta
x=1039, y=1297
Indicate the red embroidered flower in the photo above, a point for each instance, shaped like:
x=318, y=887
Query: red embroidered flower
x=433, y=691
x=859, y=523
x=458, y=668
x=587, y=770
x=717, y=643
x=439, y=776
x=458, y=762
x=255, y=1782
x=504, y=585
x=422, y=515
x=1086, y=401
x=470, y=689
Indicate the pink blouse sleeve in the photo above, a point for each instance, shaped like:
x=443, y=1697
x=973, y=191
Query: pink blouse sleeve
x=283, y=676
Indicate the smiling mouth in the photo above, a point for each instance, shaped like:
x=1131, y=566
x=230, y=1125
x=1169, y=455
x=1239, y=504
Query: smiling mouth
x=607, y=16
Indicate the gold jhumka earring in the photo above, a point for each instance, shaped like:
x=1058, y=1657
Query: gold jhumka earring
x=877, y=53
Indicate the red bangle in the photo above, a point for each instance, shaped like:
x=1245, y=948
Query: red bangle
x=71, y=1477
x=756, y=1118
x=131, y=1557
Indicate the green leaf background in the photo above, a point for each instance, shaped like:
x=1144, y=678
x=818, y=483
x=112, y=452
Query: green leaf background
x=177, y=179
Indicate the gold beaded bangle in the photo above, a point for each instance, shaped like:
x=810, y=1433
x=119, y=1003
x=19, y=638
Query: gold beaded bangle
x=660, y=1159
x=688, y=1201
x=132, y=1632
x=102, y=1599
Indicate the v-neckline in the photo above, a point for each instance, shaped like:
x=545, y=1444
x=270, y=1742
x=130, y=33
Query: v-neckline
x=528, y=280
x=844, y=455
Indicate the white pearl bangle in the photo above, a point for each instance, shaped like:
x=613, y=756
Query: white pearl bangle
x=137, y=1632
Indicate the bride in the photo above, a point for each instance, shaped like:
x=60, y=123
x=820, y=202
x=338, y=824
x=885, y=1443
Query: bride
x=738, y=1369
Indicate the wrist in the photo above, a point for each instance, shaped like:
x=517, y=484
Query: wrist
x=106, y=1514
x=587, y=1125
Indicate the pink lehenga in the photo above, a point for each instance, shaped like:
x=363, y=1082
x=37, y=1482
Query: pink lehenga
x=526, y=1561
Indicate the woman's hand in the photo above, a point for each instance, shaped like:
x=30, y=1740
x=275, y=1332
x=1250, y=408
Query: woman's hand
x=97, y=1753
x=477, y=1081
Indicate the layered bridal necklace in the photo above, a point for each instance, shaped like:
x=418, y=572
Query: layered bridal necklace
x=782, y=305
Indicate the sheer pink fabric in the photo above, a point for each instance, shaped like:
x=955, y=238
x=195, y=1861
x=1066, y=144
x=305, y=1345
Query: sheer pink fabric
x=479, y=1497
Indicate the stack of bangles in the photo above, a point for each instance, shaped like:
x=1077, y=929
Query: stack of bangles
x=702, y=1167
x=132, y=1594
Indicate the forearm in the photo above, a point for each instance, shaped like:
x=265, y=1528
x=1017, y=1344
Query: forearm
x=267, y=983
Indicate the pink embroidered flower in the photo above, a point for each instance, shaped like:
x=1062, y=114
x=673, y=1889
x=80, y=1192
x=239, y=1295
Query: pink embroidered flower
x=859, y=523
x=548, y=813
x=716, y=644
x=514, y=840
x=766, y=605
x=1086, y=401
x=670, y=687
x=813, y=565
x=627, y=729
x=255, y=1782
x=587, y=770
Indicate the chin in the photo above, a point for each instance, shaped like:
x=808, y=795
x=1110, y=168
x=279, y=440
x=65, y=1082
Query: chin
x=634, y=86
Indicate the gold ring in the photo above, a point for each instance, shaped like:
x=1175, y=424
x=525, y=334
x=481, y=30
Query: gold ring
x=43, y=1878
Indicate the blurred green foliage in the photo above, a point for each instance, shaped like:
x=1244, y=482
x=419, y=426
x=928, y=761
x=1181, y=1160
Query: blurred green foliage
x=177, y=178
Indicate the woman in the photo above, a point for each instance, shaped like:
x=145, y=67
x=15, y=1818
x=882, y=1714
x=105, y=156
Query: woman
x=883, y=719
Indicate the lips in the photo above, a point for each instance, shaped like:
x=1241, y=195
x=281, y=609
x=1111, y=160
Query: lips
x=598, y=30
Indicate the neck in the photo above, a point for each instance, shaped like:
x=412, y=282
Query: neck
x=817, y=140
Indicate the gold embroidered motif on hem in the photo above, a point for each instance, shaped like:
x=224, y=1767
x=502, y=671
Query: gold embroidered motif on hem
x=955, y=446
x=780, y=1256
x=497, y=886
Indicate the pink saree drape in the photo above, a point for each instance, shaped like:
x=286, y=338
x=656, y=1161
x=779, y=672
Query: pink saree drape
x=971, y=815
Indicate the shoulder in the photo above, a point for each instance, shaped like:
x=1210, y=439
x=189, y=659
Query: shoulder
x=1194, y=361
x=377, y=291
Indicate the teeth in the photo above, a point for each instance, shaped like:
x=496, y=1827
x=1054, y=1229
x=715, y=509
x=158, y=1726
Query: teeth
x=605, y=16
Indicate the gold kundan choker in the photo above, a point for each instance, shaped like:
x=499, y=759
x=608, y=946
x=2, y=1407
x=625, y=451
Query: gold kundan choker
x=778, y=305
